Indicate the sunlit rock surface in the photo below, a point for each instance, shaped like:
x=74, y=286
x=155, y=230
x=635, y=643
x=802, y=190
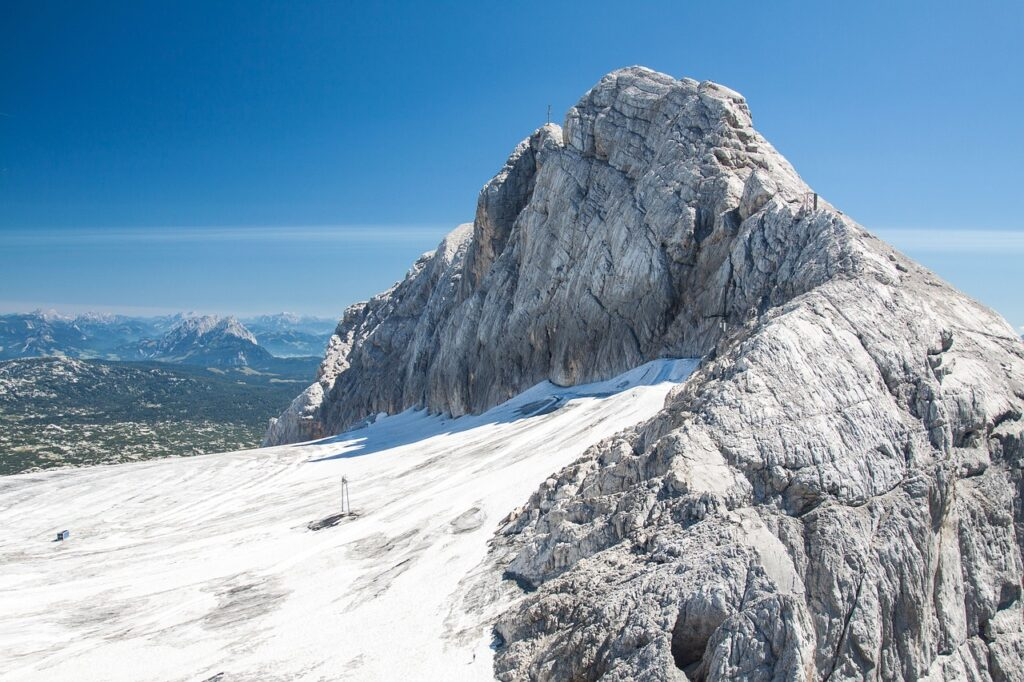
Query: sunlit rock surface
x=834, y=495
x=597, y=247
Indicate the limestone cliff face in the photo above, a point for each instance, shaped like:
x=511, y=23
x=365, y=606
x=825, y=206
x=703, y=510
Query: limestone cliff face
x=834, y=495
x=614, y=241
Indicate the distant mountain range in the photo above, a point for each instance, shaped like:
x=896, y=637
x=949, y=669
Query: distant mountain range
x=99, y=388
x=263, y=342
x=289, y=335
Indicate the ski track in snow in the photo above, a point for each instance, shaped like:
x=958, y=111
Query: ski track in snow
x=194, y=568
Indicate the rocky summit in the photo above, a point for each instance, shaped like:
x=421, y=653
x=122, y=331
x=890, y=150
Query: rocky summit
x=210, y=340
x=834, y=494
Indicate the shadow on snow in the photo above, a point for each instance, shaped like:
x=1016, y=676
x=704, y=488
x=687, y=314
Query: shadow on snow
x=541, y=400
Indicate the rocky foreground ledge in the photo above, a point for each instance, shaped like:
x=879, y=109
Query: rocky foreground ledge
x=834, y=495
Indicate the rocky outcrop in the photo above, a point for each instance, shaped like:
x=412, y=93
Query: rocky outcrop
x=834, y=495
x=596, y=248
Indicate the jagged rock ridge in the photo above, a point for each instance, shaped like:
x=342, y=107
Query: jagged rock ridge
x=834, y=495
x=596, y=248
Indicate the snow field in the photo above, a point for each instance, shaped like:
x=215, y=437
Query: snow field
x=185, y=569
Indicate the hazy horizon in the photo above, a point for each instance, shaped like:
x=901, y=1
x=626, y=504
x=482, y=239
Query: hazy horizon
x=72, y=310
x=967, y=259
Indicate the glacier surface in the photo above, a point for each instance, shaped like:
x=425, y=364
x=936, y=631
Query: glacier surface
x=186, y=569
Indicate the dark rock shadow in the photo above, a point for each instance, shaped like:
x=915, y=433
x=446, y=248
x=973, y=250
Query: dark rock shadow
x=330, y=521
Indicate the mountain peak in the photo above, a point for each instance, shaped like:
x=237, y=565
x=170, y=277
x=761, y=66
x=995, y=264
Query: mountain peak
x=204, y=326
x=211, y=340
x=91, y=317
x=597, y=246
x=855, y=421
x=51, y=315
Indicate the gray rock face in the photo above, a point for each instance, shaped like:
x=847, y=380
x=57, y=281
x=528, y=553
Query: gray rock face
x=596, y=248
x=834, y=495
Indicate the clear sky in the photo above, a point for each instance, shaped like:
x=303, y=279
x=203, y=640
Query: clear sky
x=257, y=156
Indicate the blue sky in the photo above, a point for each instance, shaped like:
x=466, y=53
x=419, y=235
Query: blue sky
x=257, y=156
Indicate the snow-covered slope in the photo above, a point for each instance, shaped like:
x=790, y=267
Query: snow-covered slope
x=186, y=569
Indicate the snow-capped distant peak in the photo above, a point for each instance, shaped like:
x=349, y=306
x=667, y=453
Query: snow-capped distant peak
x=209, y=326
x=51, y=315
x=98, y=318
